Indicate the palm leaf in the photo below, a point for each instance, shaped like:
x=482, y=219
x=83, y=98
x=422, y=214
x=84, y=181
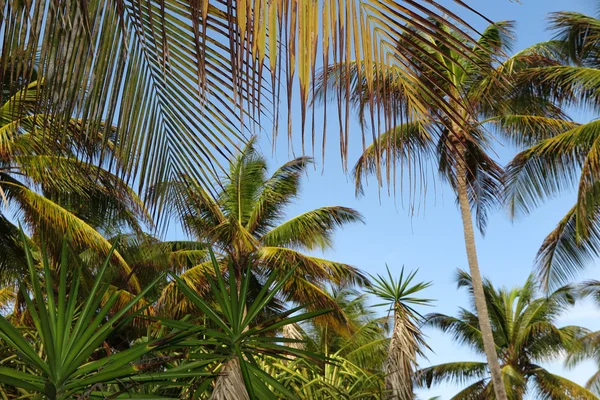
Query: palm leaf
x=181, y=78
x=312, y=229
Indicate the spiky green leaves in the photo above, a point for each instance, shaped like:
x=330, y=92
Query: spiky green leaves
x=70, y=333
x=239, y=340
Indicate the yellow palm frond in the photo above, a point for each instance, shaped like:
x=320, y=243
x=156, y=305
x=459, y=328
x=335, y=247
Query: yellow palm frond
x=42, y=213
x=312, y=268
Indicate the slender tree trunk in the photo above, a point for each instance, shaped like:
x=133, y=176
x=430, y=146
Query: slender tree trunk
x=230, y=383
x=480, y=303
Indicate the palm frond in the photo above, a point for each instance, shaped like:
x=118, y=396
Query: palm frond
x=313, y=268
x=565, y=252
x=311, y=230
x=277, y=192
x=553, y=386
x=46, y=216
x=548, y=167
x=460, y=373
x=411, y=143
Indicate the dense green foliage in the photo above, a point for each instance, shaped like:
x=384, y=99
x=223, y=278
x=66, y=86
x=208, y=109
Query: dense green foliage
x=526, y=334
x=94, y=304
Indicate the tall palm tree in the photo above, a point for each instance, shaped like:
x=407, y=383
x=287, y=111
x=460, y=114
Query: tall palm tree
x=57, y=187
x=180, y=79
x=568, y=158
x=525, y=332
x=481, y=91
x=407, y=341
x=245, y=225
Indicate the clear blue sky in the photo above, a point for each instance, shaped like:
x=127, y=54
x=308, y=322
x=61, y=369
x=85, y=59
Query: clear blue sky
x=432, y=241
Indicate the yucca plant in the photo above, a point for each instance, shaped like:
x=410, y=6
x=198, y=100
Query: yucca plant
x=237, y=342
x=407, y=341
x=67, y=363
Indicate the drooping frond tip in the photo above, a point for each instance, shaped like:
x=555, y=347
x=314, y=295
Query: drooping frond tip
x=184, y=82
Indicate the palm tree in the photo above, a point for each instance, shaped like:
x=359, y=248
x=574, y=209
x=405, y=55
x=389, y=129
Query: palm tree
x=354, y=361
x=481, y=91
x=589, y=344
x=407, y=341
x=57, y=188
x=568, y=158
x=180, y=79
x=525, y=334
x=244, y=225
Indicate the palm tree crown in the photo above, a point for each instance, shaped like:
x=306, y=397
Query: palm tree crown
x=568, y=156
x=244, y=223
x=525, y=335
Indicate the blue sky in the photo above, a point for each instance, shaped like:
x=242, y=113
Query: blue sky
x=432, y=240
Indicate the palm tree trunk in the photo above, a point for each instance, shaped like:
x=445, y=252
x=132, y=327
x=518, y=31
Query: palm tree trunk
x=402, y=356
x=230, y=383
x=480, y=303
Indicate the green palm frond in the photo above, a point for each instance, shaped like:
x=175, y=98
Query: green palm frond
x=555, y=387
x=571, y=85
x=311, y=230
x=564, y=252
x=529, y=129
x=55, y=221
x=549, y=167
x=277, y=192
x=460, y=373
x=579, y=32
x=411, y=143
x=314, y=268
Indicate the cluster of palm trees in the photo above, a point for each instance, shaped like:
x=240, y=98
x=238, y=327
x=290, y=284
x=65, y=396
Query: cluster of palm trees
x=98, y=97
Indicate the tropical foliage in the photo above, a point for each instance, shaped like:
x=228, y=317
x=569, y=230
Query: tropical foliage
x=481, y=91
x=244, y=223
x=525, y=331
x=56, y=188
x=120, y=119
x=568, y=157
x=407, y=342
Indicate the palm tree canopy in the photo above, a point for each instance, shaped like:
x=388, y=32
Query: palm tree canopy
x=567, y=157
x=245, y=225
x=486, y=92
x=525, y=334
x=183, y=81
